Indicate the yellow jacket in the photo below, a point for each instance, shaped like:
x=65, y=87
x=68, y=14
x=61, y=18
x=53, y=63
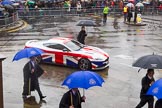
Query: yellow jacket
x=106, y=10
x=125, y=10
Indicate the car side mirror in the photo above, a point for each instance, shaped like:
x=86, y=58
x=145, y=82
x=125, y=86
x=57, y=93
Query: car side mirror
x=65, y=50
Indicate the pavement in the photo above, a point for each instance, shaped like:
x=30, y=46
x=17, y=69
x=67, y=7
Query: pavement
x=135, y=24
x=152, y=17
x=18, y=25
x=148, y=19
x=122, y=57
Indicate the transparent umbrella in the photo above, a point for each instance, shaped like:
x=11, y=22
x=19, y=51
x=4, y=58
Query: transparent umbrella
x=139, y=4
x=130, y=5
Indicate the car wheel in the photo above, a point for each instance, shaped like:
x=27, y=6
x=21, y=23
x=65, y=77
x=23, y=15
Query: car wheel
x=38, y=59
x=84, y=64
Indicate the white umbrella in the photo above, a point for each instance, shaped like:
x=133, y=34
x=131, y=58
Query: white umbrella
x=146, y=2
x=130, y=5
x=139, y=4
x=2, y=9
x=15, y=4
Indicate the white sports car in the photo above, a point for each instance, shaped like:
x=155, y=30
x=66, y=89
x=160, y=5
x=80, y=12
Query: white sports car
x=69, y=52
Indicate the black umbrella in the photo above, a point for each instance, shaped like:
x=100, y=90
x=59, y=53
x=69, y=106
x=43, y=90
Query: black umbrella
x=86, y=23
x=149, y=62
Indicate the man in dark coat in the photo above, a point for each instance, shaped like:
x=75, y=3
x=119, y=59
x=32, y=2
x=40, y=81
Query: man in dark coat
x=72, y=99
x=135, y=14
x=147, y=81
x=158, y=103
x=82, y=34
x=32, y=71
x=129, y=16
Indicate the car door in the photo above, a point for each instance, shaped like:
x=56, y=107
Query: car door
x=59, y=52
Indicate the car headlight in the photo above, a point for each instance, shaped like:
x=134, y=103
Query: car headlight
x=97, y=58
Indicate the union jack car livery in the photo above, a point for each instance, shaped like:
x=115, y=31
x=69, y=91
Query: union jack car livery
x=69, y=52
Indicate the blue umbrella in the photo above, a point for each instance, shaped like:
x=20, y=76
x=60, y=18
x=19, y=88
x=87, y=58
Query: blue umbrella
x=83, y=79
x=27, y=53
x=6, y=2
x=156, y=89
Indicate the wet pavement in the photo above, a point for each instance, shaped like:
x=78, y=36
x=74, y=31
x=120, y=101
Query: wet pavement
x=122, y=82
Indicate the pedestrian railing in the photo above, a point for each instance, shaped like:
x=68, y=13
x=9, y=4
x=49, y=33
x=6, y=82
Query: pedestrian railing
x=73, y=11
x=56, y=12
x=8, y=20
x=27, y=13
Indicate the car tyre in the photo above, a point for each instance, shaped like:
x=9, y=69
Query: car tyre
x=84, y=64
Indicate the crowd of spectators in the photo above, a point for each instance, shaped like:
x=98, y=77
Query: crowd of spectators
x=87, y=3
x=7, y=10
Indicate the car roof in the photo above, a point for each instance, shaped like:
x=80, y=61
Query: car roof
x=60, y=39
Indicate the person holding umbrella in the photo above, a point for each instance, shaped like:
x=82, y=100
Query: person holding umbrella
x=72, y=99
x=78, y=79
x=147, y=81
x=158, y=103
x=82, y=34
x=156, y=90
x=31, y=72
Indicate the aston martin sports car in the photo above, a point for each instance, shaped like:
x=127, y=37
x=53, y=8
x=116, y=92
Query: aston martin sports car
x=69, y=52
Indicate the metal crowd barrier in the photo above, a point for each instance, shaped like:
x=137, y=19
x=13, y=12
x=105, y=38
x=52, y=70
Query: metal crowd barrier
x=73, y=11
x=60, y=12
x=27, y=13
x=6, y=21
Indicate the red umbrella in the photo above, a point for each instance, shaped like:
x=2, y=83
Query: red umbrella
x=132, y=1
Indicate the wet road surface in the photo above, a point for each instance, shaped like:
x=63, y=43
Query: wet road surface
x=122, y=82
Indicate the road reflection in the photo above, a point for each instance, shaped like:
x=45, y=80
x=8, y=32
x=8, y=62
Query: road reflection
x=54, y=72
x=31, y=102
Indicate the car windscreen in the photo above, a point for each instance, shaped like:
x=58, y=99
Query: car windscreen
x=73, y=45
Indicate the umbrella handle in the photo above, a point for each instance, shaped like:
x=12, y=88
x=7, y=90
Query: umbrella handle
x=83, y=92
x=29, y=86
x=71, y=99
x=139, y=69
